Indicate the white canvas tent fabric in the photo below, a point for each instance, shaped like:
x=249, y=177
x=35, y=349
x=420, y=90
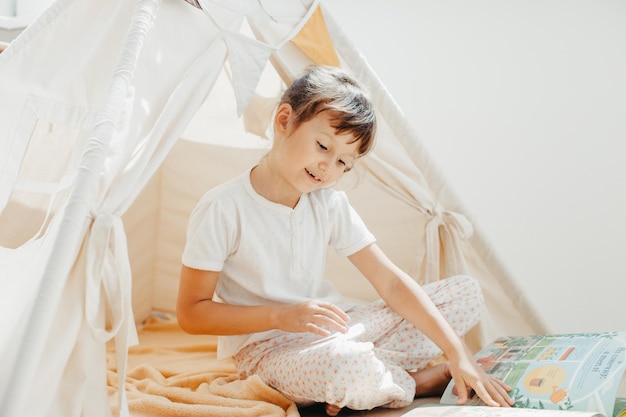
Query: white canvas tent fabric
x=94, y=99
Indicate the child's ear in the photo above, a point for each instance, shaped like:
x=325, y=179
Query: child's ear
x=282, y=119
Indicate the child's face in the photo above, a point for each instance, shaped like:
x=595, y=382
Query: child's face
x=315, y=156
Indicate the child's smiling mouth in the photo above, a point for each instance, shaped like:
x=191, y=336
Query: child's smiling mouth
x=313, y=175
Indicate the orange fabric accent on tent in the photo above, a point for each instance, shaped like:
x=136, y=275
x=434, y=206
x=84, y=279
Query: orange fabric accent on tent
x=315, y=41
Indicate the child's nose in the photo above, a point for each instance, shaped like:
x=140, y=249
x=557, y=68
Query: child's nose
x=328, y=167
x=324, y=163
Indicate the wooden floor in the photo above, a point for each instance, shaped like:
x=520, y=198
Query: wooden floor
x=317, y=410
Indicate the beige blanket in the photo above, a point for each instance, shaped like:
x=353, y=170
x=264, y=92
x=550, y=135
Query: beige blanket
x=174, y=374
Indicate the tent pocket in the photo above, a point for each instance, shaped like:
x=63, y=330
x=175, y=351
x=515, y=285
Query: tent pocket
x=41, y=167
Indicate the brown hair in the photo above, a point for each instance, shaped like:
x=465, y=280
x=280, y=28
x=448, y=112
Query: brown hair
x=325, y=88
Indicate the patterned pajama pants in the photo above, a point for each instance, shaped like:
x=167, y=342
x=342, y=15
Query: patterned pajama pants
x=367, y=367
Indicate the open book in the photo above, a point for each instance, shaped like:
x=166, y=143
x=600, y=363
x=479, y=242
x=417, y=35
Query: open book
x=551, y=375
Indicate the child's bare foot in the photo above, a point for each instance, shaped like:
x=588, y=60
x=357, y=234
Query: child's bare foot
x=431, y=381
x=332, y=410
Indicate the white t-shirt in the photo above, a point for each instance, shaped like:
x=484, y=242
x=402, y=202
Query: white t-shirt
x=268, y=253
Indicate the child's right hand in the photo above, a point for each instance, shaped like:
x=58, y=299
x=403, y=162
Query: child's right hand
x=313, y=316
x=469, y=376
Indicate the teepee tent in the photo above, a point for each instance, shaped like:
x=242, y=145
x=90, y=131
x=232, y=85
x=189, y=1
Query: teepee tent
x=115, y=117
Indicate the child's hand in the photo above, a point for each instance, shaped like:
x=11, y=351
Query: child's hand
x=317, y=317
x=468, y=375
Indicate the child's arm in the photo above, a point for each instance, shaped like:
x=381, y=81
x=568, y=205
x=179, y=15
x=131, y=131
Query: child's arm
x=197, y=313
x=408, y=299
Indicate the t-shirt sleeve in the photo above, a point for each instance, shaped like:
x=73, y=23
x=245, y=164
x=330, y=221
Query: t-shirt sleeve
x=349, y=234
x=211, y=235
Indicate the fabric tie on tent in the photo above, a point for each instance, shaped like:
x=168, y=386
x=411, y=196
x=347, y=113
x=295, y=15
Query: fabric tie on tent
x=445, y=229
x=314, y=40
x=108, y=267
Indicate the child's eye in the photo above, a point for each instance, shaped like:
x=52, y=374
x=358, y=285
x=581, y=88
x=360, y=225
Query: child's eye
x=324, y=148
x=344, y=165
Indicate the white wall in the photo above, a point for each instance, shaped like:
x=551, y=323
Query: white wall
x=523, y=106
